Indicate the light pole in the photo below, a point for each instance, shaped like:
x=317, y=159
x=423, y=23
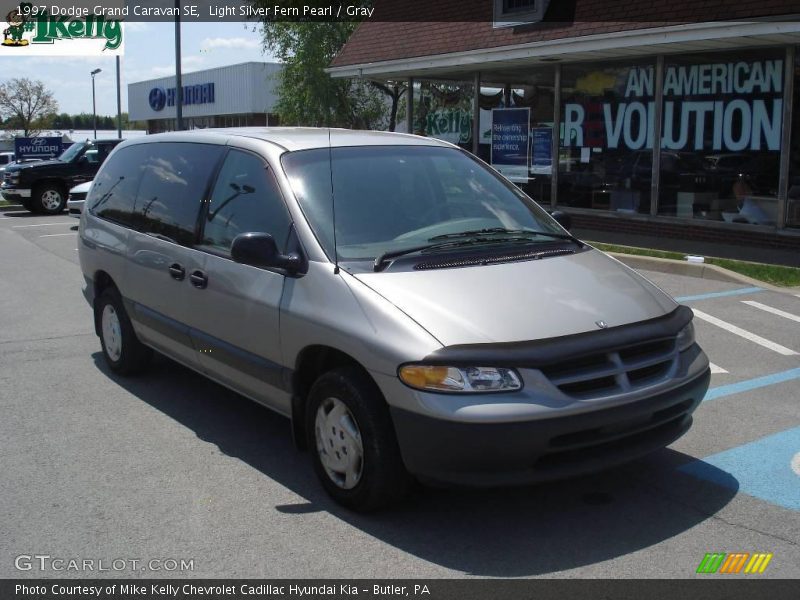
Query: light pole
x=94, y=108
x=178, y=82
x=119, y=105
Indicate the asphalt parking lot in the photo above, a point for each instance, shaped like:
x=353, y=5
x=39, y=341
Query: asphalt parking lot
x=172, y=466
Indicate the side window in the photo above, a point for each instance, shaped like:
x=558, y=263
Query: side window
x=103, y=150
x=114, y=189
x=246, y=198
x=174, y=178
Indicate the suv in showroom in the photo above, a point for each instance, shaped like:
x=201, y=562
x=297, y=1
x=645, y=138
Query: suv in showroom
x=42, y=187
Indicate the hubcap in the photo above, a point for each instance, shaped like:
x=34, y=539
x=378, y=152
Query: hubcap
x=339, y=443
x=112, y=333
x=51, y=200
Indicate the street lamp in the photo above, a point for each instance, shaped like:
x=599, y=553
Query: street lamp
x=94, y=108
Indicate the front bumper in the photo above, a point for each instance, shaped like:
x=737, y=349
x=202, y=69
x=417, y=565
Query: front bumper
x=75, y=207
x=521, y=452
x=15, y=193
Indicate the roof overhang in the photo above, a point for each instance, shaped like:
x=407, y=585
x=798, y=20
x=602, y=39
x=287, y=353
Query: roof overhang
x=693, y=37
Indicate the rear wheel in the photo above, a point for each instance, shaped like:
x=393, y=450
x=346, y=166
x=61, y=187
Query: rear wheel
x=352, y=441
x=123, y=351
x=49, y=198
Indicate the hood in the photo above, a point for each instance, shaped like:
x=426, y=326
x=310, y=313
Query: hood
x=35, y=165
x=82, y=188
x=522, y=301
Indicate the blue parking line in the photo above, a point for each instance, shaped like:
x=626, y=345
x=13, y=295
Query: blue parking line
x=751, y=384
x=764, y=468
x=736, y=292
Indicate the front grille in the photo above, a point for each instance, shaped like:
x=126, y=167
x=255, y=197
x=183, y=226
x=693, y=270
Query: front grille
x=78, y=196
x=615, y=371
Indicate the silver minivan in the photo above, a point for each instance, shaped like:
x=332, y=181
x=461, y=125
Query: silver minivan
x=413, y=313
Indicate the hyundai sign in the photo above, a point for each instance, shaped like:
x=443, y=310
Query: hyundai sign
x=37, y=147
x=202, y=93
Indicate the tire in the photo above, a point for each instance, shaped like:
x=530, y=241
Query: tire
x=123, y=351
x=382, y=478
x=49, y=199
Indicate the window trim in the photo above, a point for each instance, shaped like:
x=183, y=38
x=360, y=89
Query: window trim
x=502, y=18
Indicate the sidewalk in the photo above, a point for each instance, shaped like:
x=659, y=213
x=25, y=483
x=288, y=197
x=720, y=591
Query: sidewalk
x=776, y=256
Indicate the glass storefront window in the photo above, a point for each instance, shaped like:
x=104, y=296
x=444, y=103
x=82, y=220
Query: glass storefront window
x=606, y=136
x=721, y=136
x=520, y=129
x=793, y=193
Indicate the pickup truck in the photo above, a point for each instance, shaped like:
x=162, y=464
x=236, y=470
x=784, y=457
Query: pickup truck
x=42, y=187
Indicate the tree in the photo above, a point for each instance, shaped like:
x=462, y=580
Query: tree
x=27, y=105
x=307, y=95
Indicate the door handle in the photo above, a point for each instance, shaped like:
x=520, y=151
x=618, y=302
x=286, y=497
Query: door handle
x=177, y=272
x=198, y=279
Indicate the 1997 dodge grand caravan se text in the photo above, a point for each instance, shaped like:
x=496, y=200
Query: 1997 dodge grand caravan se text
x=410, y=310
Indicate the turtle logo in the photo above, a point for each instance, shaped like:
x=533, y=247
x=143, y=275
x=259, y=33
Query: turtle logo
x=12, y=35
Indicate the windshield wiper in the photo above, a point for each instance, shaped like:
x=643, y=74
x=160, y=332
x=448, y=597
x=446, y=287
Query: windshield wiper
x=383, y=259
x=479, y=233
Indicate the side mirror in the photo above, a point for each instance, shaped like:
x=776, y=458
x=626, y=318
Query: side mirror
x=260, y=250
x=562, y=219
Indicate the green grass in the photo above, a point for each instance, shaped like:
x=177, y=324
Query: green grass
x=773, y=274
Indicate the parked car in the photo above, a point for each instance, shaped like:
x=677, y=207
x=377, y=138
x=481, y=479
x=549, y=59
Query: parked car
x=7, y=159
x=77, y=198
x=437, y=324
x=42, y=186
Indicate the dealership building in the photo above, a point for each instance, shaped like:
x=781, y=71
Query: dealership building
x=678, y=120
x=239, y=95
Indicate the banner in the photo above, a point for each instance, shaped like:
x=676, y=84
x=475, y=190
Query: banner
x=510, y=142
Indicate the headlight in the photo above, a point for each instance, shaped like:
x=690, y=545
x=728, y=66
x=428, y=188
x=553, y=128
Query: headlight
x=686, y=337
x=459, y=379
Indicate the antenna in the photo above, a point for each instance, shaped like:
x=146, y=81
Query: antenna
x=333, y=207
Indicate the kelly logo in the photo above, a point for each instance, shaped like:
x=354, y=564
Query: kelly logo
x=734, y=562
x=47, y=29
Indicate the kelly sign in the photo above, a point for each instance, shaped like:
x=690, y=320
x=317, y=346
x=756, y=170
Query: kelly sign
x=37, y=147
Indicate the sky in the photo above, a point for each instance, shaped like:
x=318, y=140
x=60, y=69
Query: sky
x=149, y=53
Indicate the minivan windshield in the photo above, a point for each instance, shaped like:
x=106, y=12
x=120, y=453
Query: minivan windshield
x=392, y=198
x=71, y=152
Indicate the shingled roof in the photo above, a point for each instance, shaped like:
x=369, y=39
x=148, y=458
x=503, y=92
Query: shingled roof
x=400, y=29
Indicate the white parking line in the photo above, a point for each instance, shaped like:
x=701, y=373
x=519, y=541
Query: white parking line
x=757, y=339
x=58, y=234
x=43, y=225
x=774, y=311
x=716, y=368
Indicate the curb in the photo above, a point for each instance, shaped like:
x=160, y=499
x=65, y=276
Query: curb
x=700, y=271
x=11, y=207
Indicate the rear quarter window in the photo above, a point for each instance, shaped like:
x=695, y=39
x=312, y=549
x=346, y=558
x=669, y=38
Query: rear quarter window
x=114, y=189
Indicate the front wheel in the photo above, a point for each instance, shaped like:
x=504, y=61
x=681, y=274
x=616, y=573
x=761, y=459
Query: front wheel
x=49, y=199
x=352, y=441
